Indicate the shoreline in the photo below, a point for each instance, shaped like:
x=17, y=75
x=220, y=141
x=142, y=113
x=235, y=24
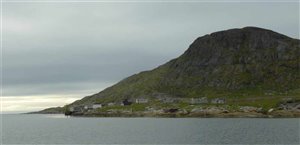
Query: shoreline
x=275, y=114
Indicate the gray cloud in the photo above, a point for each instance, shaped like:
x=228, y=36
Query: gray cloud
x=71, y=48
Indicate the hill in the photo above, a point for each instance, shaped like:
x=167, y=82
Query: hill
x=237, y=63
x=239, y=72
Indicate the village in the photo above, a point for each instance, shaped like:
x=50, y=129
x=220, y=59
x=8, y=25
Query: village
x=181, y=107
x=81, y=109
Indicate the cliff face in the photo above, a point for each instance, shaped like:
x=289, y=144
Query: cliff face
x=243, y=62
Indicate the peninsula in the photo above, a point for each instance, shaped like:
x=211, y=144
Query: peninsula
x=247, y=72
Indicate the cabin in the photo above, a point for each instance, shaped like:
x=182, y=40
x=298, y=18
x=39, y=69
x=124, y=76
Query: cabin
x=218, y=101
x=71, y=109
x=141, y=101
x=202, y=100
x=92, y=106
x=77, y=109
x=169, y=100
x=110, y=104
x=96, y=106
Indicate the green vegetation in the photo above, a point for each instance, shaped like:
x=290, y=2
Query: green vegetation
x=133, y=107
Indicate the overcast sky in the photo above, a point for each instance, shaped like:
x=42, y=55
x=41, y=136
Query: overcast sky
x=65, y=51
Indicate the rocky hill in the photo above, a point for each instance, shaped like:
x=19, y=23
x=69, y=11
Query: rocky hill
x=248, y=72
x=234, y=64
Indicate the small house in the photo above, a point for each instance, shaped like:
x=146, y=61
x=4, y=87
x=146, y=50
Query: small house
x=76, y=109
x=71, y=109
x=95, y=106
x=218, y=101
x=111, y=104
x=202, y=100
x=141, y=101
x=87, y=107
x=169, y=100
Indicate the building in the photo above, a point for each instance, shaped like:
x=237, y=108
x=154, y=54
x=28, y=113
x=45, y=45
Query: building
x=111, y=104
x=169, y=100
x=141, y=100
x=76, y=109
x=202, y=100
x=218, y=101
x=95, y=106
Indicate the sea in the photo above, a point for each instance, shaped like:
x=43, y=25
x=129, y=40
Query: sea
x=36, y=129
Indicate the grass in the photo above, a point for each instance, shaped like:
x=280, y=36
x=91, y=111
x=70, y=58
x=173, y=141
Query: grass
x=265, y=103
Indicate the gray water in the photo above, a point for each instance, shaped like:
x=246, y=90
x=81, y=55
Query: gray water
x=57, y=129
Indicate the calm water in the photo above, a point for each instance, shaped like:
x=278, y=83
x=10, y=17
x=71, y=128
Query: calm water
x=57, y=129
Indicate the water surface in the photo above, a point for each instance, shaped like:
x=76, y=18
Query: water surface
x=57, y=129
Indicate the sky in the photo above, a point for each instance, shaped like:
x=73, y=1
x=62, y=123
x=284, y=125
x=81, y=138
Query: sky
x=54, y=53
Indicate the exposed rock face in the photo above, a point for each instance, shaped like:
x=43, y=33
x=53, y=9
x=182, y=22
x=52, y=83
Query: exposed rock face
x=225, y=63
x=290, y=106
x=239, y=58
x=226, y=47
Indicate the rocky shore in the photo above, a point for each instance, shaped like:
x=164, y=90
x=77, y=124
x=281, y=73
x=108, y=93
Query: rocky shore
x=286, y=109
x=212, y=112
x=276, y=114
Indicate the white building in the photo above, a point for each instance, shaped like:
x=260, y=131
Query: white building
x=88, y=107
x=111, y=104
x=202, y=100
x=76, y=108
x=141, y=100
x=169, y=100
x=95, y=106
x=218, y=101
x=71, y=109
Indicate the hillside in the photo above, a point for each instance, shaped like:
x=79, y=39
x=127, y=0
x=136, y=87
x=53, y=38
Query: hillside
x=53, y=110
x=248, y=72
x=237, y=63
